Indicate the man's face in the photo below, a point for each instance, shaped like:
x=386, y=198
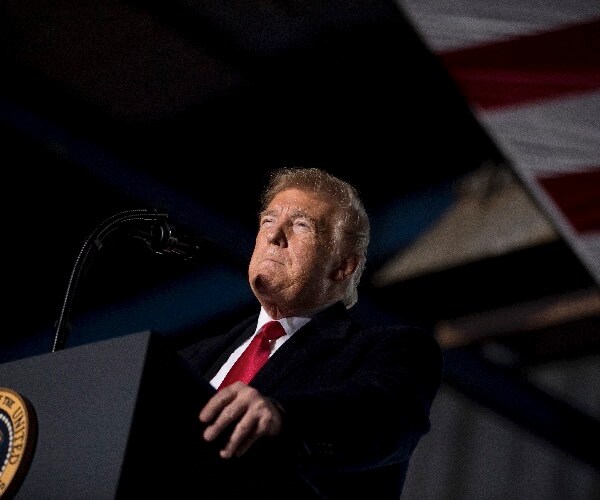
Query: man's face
x=293, y=262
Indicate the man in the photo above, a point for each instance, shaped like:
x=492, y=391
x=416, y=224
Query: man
x=338, y=408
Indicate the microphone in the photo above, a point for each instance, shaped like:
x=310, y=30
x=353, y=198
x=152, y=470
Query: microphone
x=164, y=239
x=150, y=226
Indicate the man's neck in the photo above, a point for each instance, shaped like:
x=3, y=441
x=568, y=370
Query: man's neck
x=276, y=314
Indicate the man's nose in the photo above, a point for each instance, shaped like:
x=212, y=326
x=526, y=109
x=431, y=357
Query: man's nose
x=277, y=235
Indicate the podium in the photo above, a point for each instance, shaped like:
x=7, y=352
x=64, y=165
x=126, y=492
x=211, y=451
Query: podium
x=116, y=418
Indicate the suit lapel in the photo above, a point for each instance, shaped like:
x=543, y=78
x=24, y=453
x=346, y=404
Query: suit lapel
x=322, y=333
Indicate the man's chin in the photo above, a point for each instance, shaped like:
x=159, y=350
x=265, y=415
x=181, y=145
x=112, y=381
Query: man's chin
x=263, y=287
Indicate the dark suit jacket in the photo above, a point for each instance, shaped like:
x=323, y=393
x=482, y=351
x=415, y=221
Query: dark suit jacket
x=356, y=401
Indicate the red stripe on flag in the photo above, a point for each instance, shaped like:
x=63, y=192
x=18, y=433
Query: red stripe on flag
x=529, y=68
x=577, y=195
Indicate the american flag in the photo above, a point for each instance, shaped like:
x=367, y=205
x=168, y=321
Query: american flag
x=530, y=72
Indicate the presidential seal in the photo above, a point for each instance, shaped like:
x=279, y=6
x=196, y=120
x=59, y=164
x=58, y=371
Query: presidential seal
x=18, y=434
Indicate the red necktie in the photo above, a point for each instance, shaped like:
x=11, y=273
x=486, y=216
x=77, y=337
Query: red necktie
x=255, y=355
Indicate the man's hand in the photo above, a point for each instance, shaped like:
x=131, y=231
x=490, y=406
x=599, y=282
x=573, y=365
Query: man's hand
x=253, y=414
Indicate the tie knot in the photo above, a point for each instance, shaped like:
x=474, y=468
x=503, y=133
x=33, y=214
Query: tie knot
x=272, y=330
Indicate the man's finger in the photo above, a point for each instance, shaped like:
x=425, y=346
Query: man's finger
x=242, y=437
x=216, y=404
x=228, y=415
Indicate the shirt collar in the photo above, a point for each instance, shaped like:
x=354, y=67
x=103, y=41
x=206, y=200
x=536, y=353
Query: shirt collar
x=290, y=324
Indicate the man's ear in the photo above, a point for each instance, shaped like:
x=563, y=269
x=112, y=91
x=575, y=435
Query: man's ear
x=346, y=268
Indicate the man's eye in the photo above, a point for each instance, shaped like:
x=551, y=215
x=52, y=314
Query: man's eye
x=266, y=221
x=301, y=223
